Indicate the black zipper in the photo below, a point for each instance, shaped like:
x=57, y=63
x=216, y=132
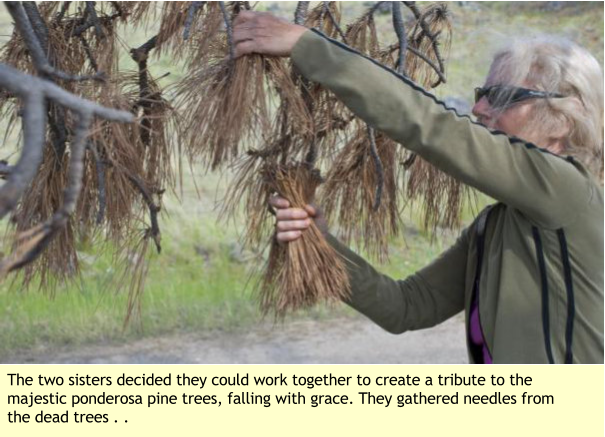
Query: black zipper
x=571, y=306
x=544, y=281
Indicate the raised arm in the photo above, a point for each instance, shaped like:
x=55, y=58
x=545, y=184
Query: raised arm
x=548, y=189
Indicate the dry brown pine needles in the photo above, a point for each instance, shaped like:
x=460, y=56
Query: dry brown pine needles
x=306, y=271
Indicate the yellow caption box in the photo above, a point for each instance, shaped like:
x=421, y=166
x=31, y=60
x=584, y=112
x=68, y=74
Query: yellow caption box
x=264, y=400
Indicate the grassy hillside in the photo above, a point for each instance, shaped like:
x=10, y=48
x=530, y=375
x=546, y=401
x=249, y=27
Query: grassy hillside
x=199, y=280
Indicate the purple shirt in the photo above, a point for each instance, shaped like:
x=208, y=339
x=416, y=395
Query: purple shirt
x=477, y=334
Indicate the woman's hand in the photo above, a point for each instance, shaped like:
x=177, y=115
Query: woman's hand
x=264, y=34
x=292, y=222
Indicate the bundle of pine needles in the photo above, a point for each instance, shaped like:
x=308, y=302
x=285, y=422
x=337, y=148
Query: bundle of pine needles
x=306, y=271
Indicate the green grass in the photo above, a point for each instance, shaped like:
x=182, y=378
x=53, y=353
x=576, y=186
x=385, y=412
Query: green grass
x=199, y=281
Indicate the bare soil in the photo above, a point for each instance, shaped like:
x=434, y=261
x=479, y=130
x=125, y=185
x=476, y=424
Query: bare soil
x=342, y=341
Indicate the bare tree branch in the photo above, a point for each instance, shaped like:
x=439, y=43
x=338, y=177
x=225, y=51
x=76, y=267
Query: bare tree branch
x=228, y=29
x=154, y=230
x=34, y=130
x=38, y=24
x=140, y=55
x=434, y=42
x=142, y=52
x=33, y=91
x=81, y=26
x=56, y=114
x=93, y=17
x=89, y=54
x=193, y=10
x=301, y=12
x=39, y=59
x=422, y=56
x=34, y=241
x=5, y=169
x=379, y=168
x=334, y=22
x=100, y=167
x=372, y=10
x=399, y=27
x=76, y=169
x=62, y=12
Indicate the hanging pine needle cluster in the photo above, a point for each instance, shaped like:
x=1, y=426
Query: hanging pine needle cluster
x=274, y=130
x=116, y=172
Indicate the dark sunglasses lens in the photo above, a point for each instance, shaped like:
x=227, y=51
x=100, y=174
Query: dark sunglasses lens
x=492, y=93
x=498, y=96
x=501, y=96
x=479, y=93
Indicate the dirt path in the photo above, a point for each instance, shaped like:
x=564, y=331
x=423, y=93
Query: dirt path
x=347, y=340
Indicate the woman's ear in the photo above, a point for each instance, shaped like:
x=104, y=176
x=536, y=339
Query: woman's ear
x=549, y=127
x=557, y=135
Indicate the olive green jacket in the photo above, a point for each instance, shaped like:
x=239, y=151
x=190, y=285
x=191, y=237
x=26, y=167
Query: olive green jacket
x=540, y=274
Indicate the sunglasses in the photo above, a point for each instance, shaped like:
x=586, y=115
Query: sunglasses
x=500, y=96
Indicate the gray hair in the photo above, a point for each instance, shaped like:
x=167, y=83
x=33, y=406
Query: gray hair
x=556, y=65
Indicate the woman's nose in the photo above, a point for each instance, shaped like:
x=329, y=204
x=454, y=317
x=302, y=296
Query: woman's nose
x=481, y=108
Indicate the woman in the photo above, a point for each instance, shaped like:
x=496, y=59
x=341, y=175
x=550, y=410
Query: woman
x=528, y=272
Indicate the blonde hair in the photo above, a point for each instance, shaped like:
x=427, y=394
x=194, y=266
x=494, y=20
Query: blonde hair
x=556, y=65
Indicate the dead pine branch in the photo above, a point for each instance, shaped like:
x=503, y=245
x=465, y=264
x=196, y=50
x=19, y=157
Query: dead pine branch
x=140, y=55
x=34, y=92
x=100, y=169
x=36, y=51
x=426, y=31
x=154, y=209
x=31, y=243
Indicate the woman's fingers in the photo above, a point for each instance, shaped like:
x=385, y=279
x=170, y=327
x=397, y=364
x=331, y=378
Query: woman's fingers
x=243, y=17
x=265, y=34
x=279, y=202
x=311, y=210
x=241, y=34
x=291, y=214
x=293, y=225
x=287, y=237
x=291, y=222
x=245, y=48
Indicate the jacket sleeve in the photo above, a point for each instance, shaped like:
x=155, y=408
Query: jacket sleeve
x=424, y=299
x=548, y=189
